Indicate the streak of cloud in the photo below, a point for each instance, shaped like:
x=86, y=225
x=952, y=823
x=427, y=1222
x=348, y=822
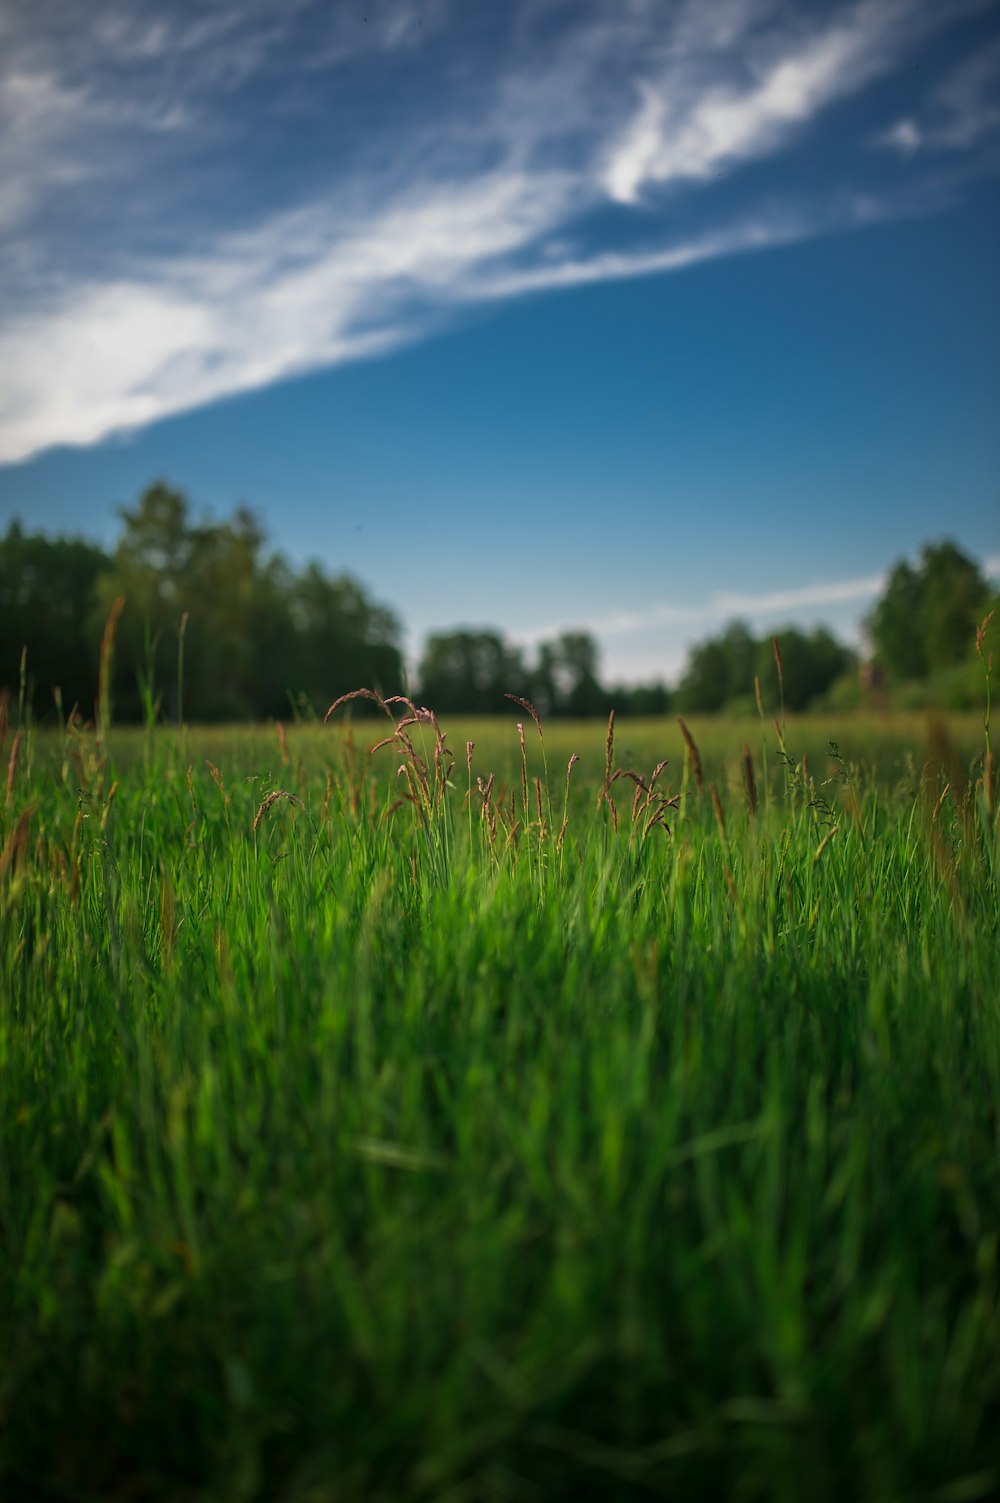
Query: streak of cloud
x=797, y=601
x=148, y=272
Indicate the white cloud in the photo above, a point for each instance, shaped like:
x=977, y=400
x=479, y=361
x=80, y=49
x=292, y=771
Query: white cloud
x=308, y=290
x=675, y=137
x=728, y=606
x=251, y=312
x=905, y=136
x=467, y=208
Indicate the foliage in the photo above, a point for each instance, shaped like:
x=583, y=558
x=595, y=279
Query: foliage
x=471, y=671
x=357, y=1149
x=254, y=632
x=722, y=669
x=46, y=591
x=216, y=627
x=924, y=622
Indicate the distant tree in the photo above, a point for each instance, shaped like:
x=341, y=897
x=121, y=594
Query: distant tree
x=896, y=624
x=347, y=640
x=718, y=670
x=565, y=680
x=256, y=635
x=926, y=616
x=469, y=671
x=955, y=593
x=810, y=661
x=641, y=699
x=47, y=591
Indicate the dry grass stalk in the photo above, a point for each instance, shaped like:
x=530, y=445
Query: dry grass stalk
x=417, y=794
x=734, y=893
x=694, y=756
x=981, y=640
x=443, y=759
x=658, y=771
x=565, y=821
x=282, y=742
x=609, y=757
x=749, y=779
x=12, y=766
x=16, y=844
x=105, y=812
x=940, y=803
x=524, y=770
x=358, y=694
x=756, y=690
x=271, y=800
x=401, y=699
x=470, y=747
x=512, y=837
x=527, y=705
x=720, y=818
x=104, y=668
x=609, y=749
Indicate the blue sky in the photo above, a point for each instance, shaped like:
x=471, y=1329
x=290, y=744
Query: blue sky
x=633, y=316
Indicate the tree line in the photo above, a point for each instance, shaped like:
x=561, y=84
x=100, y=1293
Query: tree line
x=217, y=626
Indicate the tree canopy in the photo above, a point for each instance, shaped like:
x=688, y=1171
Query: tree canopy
x=256, y=633
x=721, y=670
x=259, y=638
x=926, y=618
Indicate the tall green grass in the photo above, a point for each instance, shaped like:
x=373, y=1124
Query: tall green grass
x=375, y=1134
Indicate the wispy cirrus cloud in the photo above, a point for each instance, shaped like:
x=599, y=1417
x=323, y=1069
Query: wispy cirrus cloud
x=732, y=605
x=785, y=83
x=197, y=203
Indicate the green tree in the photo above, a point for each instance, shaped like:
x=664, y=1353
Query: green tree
x=469, y=671
x=810, y=662
x=565, y=681
x=47, y=592
x=256, y=634
x=718, y=670
x=346, y=639
x=955, y=593
x=896, y=626
x=926, y=616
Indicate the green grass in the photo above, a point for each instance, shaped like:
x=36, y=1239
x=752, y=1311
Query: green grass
x=376, y=1157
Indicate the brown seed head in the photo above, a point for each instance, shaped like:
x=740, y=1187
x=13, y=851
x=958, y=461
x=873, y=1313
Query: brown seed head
x=694, y=757
x=527, y=705
x=271, y=800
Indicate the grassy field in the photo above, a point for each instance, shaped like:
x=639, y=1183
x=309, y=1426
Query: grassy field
x=372, y=1131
